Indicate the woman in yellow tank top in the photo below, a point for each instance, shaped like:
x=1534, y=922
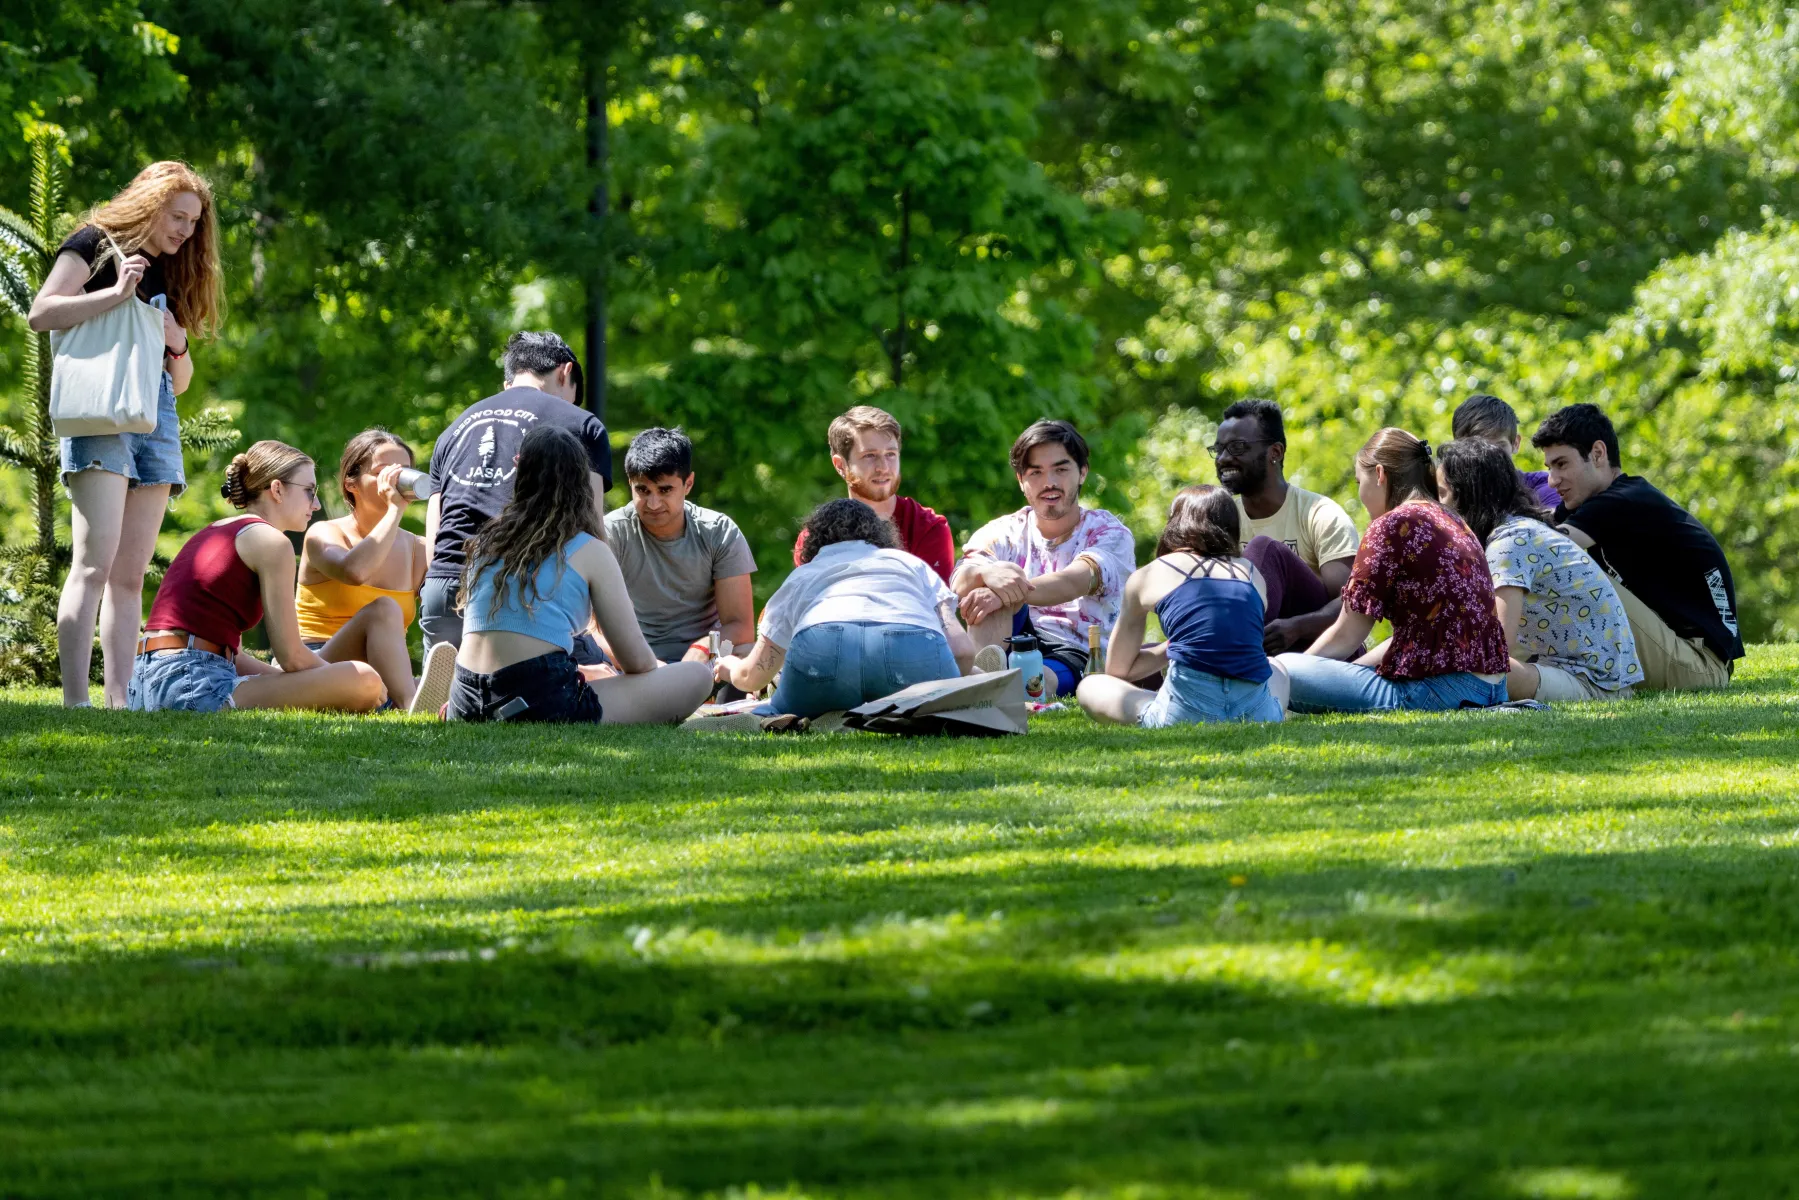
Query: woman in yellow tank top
x=360, y=574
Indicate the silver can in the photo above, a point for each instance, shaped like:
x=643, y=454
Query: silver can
x=415, y=484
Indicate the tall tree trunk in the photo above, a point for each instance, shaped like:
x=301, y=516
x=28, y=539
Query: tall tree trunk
x=897, y=348
x=45, y=470
x=594, y=72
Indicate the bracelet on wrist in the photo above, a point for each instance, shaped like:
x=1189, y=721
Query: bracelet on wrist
x=181, y=353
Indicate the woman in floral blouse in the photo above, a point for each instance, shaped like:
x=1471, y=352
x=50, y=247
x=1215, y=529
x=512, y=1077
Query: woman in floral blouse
x=1419, y=568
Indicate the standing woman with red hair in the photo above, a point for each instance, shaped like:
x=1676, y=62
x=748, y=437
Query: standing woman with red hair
x=120, y=484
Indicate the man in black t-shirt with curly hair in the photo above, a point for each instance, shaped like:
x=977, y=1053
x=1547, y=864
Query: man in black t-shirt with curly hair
x=1668, y=568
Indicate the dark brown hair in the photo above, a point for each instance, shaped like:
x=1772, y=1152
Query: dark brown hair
x=1411, y=475
x=551, y=503
x=1202, y=520
x=1485, y=487
x=357, y=453
x=1043, y=433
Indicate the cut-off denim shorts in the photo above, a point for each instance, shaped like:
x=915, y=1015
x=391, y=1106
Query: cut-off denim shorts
x=550, y=687
x=1189, y=696
x=182, y=680
x=146, y=459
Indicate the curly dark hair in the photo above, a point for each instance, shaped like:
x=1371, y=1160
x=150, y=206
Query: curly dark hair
x=846, y=521
x=1485, y=486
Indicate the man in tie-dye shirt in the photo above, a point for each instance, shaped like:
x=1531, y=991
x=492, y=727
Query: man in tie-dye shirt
x=1053, y=568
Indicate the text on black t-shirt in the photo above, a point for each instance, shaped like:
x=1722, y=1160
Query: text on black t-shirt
x=475, y=463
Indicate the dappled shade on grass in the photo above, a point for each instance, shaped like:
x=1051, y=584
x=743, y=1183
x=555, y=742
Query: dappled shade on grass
x=1474, y=954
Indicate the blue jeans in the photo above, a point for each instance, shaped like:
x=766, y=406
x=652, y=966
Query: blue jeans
x=146, y=459
x=1193, y=697
x=1323, y=685
x=844, y=664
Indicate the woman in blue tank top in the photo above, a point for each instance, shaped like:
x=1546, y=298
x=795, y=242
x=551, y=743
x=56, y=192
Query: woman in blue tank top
x=536, y=575
x=1210, y=603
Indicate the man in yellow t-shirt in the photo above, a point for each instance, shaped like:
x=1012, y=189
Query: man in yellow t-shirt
x=1303, y=543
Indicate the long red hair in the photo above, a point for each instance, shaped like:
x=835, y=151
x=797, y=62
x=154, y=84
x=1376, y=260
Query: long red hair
x=195, y=285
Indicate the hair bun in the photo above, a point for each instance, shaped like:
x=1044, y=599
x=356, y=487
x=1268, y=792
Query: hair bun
x=233, y=487
x=1424, y=445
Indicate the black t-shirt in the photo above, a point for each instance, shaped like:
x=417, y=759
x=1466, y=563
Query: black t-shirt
x=474, y=462
x=89, y=243
x=1662, y=553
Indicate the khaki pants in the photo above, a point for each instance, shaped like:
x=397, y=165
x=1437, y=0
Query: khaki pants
x=1670, y=662
x=1554, y=685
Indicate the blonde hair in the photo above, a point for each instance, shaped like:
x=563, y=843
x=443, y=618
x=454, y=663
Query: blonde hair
x=860, y=419
x=251, y=472
x=195, y=292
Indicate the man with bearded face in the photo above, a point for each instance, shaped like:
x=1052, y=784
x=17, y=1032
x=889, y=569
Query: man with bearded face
x=865, y=450
x=1054, y=568
x=1303, y=543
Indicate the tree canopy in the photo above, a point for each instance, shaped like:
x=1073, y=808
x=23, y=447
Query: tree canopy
x=1127, y=213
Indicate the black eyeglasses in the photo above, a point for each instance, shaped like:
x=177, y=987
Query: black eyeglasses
x=1236, y=448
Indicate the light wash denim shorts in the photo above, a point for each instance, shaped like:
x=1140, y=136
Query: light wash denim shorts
x=146, y=459
x=1193, y=697
x=181, y=680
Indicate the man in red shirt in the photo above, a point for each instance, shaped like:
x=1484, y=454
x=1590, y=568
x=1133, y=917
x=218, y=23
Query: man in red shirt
x=865, y=449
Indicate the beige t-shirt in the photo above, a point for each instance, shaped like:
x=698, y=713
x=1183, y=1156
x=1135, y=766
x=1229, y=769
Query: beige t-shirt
x=1314, y=527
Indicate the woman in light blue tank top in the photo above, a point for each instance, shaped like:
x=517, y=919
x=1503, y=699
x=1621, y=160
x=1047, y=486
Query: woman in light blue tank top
x=538, y=574
x=1210, y=603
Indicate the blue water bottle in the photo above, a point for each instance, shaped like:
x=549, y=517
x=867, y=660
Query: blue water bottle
x=1023, y=654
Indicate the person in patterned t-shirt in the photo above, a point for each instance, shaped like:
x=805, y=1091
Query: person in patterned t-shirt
x=1570, y=638
x=1420, y=568
x=1053, y=568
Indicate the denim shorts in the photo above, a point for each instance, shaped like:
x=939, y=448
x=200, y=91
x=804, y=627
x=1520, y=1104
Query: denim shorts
x=1193, y=697
x=146, y=459
x=550, y=686
x=181, y=680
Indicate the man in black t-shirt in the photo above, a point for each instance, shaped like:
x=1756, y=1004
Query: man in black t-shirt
x=1668, y=568
x=474, y=462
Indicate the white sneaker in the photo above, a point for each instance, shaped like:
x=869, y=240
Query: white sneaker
x=434, y=686
x=989, y=659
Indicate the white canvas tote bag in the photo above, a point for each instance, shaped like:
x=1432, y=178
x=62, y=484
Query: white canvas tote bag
x=106, y=373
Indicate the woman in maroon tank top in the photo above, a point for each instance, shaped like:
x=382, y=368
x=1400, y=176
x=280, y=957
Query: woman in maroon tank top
x=228, y=577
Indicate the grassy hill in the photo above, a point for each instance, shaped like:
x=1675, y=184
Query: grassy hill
x=1486, y=954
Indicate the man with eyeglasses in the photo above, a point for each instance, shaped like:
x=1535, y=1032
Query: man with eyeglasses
x=1303, y=543
x=474, y=463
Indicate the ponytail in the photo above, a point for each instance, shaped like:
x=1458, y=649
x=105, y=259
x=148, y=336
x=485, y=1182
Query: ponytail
x=1411, y=473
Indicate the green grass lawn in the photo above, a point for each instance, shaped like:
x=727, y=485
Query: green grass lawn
x=1488, y=954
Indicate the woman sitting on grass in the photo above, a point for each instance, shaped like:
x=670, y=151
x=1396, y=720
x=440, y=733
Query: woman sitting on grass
x=857, y=620
x=228, y=577
x=1419, y=568
x=1566, y=629
x=535, y=576
x=1210, y=602
x=360, y=574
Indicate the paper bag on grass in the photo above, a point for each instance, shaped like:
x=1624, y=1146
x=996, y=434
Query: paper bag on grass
x=989, y=705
